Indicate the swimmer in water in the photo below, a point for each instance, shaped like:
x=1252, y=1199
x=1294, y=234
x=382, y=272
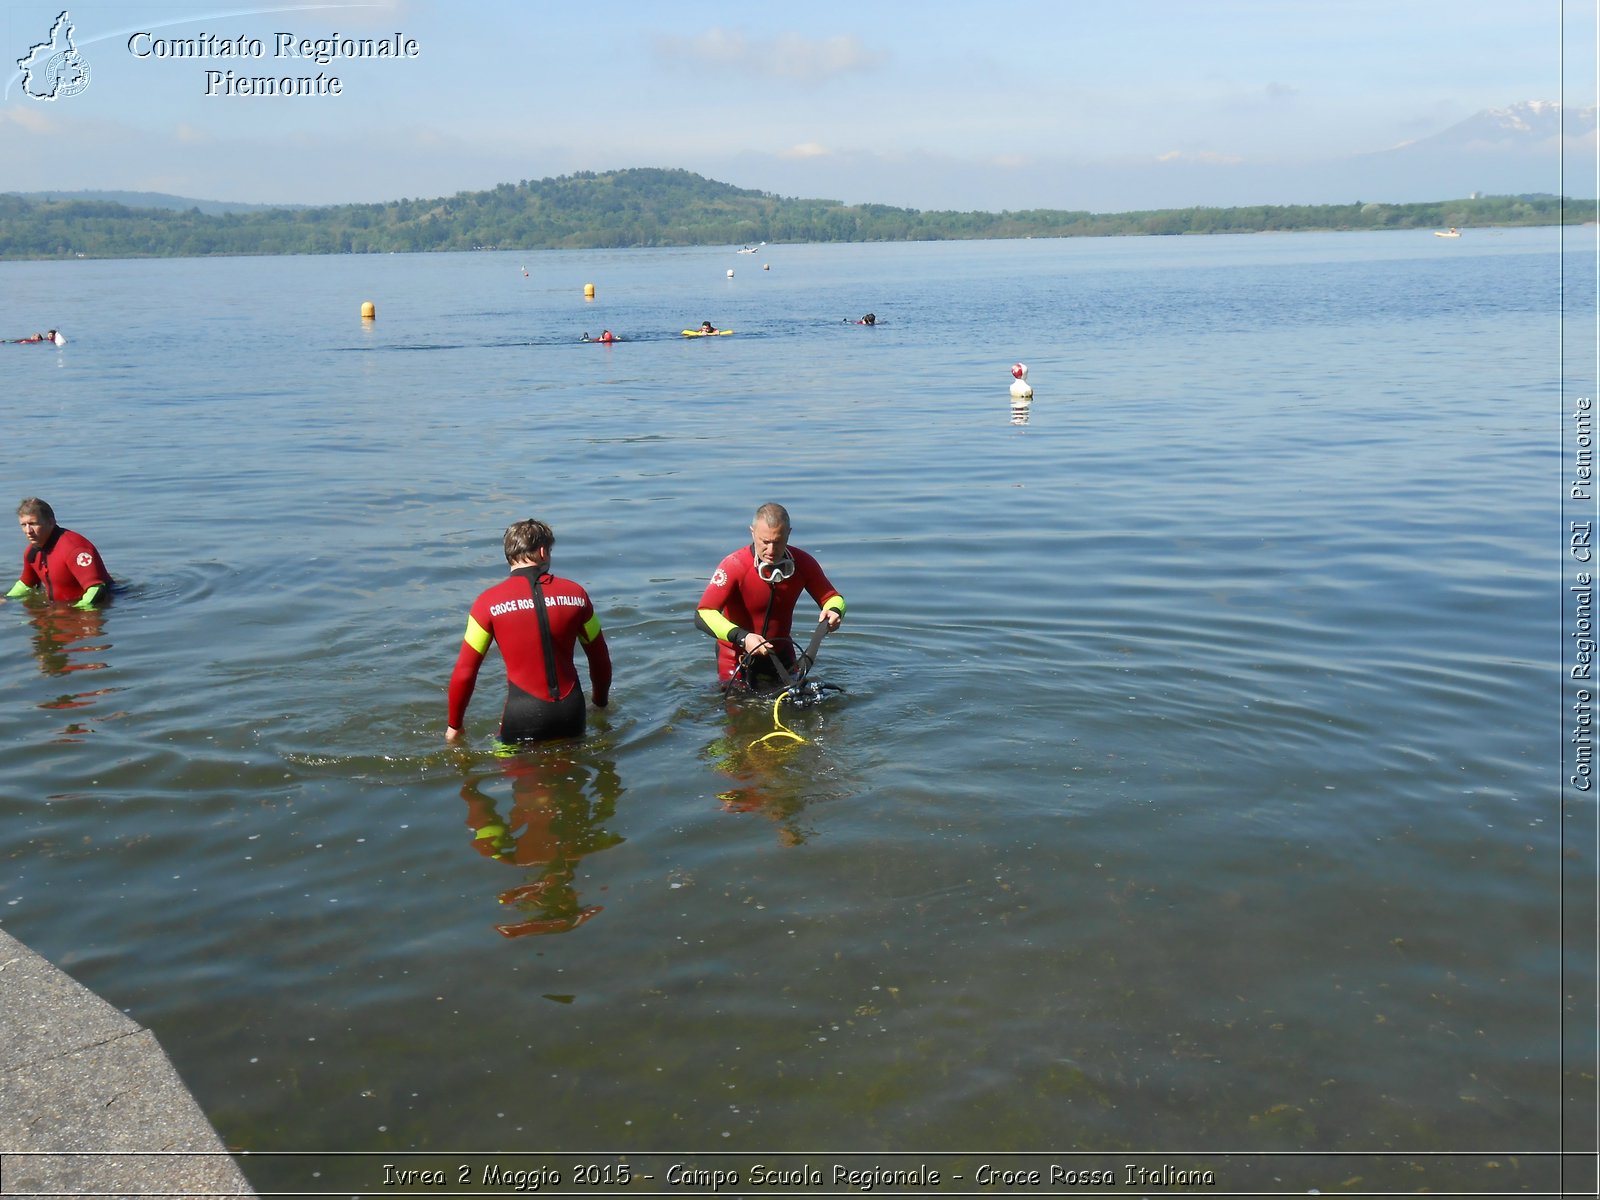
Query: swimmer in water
x=63, y=565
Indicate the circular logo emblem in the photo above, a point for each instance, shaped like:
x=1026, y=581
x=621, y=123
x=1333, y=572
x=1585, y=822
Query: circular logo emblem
x=85, y=559
x=68, y=74
x=719, y=577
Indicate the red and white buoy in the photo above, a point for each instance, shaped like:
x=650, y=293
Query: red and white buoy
x=1021, y=389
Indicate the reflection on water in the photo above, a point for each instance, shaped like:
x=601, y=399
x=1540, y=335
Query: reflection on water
x=770, y=753
x=62, y=639
x=555, y=816
x=60, y=632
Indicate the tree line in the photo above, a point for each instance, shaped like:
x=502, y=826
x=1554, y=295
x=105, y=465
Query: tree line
x=658, y=207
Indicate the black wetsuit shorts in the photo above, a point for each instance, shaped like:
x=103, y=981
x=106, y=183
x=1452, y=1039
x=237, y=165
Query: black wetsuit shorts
x=530, y=719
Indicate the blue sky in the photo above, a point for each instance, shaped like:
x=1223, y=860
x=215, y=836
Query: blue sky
x=1010, y=104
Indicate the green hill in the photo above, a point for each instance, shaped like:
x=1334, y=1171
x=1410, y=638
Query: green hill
x=657, y=207
x=153, y=200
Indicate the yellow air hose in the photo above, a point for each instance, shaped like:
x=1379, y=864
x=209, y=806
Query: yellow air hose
x=808, y=660
x=782, y=730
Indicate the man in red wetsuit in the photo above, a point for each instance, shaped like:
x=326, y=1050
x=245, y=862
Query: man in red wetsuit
x=63, y=565
x=537, y=619
x=749, y=604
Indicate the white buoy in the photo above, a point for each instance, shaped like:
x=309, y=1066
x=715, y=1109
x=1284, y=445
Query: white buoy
x=730, y=272
x=1021, y=389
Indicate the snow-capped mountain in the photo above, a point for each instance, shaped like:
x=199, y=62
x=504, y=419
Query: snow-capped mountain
x=1533, y=146
x=1530, y=124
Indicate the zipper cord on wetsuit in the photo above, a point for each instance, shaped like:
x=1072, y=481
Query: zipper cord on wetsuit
x=548, y=642
x=40, y=557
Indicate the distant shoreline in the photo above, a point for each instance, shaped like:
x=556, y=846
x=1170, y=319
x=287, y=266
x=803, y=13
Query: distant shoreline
x=648, y=207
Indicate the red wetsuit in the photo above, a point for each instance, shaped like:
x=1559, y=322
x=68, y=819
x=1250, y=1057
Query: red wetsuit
x=508, y=615
x=66, y=566
x=738, y=601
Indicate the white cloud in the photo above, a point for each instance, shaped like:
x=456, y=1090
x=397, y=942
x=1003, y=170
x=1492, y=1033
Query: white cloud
x=806, y=150
x=787, y=56
x=1200, y=156
x=801, y=58
x=32, y=120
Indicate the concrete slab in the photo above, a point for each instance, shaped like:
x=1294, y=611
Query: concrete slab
x=89, y=1102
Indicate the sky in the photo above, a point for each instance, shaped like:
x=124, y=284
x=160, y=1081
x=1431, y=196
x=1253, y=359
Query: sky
x=1011, y=104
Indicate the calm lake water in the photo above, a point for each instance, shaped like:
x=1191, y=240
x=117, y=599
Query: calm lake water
x=1194, y=797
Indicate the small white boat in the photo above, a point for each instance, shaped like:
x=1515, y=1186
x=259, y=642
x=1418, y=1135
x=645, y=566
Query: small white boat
x=1451, y=232
x=750, y=249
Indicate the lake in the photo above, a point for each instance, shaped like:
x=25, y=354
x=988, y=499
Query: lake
x=1194, y=800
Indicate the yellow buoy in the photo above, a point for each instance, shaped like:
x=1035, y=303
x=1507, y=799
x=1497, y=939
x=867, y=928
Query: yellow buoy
x=368, y=311
x=588, y=291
